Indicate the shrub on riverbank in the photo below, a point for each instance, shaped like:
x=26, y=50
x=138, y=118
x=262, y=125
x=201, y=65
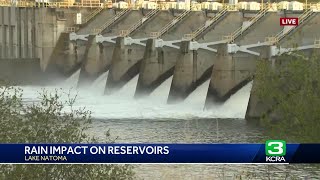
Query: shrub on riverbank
x=294, y=87
x=47, y=121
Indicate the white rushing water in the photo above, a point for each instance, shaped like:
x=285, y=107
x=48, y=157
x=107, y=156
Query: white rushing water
x=122, y=105
x=72, y=81
x=148, y=128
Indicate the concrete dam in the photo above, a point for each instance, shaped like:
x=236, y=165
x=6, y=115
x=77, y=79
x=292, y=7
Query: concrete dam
x=46, y=45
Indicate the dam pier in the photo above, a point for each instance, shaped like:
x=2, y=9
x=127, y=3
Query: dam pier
x=189, y=41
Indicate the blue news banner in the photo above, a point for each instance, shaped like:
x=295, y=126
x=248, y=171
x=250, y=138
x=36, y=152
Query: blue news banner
x=274, y=151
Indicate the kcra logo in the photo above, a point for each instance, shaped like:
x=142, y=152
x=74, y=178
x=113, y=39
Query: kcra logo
x=275, y=150
x=275, y=159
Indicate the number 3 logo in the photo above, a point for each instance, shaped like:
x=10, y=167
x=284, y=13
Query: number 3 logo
x=275, y=148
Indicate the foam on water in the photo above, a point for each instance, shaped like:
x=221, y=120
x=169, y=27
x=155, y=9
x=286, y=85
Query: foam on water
x=122, y=105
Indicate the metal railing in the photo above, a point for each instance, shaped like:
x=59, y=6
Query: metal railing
x=239, y=31
x=162, y=5
x=271, y=40
x=314, y=6
x=169, y=25
x=111, y=21
x=50, y=4
x=206, y=26
x=60, y=5
x=123, y=33
x=154, y=34
x=92, y=15
x=5, y=3
x=151, y=13
x=25, y=4
x=231, y=7
x=71, y=29
x=283, y=33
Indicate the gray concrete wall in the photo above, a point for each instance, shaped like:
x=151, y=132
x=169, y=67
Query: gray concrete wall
x=269, y=25
x=125, y=23
x=231, y=22
x=229, y=74
x=64, y=59
x=155, y=24
x=9, y=23
x=29, y=33
x=70, y=14
x=90, y=64
x=127, y=64
x=32, y=33
x=232, y=71
x=187, y=25
x=194, y=67
x=45, y=33
x=158, y=63
x=304, y=35
x=100, y=55
x=124, y=66
x=185, y=73
x=104, y=16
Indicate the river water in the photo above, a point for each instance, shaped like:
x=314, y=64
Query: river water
x=151, y=120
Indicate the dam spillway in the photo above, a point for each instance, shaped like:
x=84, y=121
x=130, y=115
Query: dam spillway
x=191, y=46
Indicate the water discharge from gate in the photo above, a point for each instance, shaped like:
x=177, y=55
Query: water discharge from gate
x=123, y=105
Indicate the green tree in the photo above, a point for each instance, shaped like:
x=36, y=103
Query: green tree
x=292, y=85
x=50, y=120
